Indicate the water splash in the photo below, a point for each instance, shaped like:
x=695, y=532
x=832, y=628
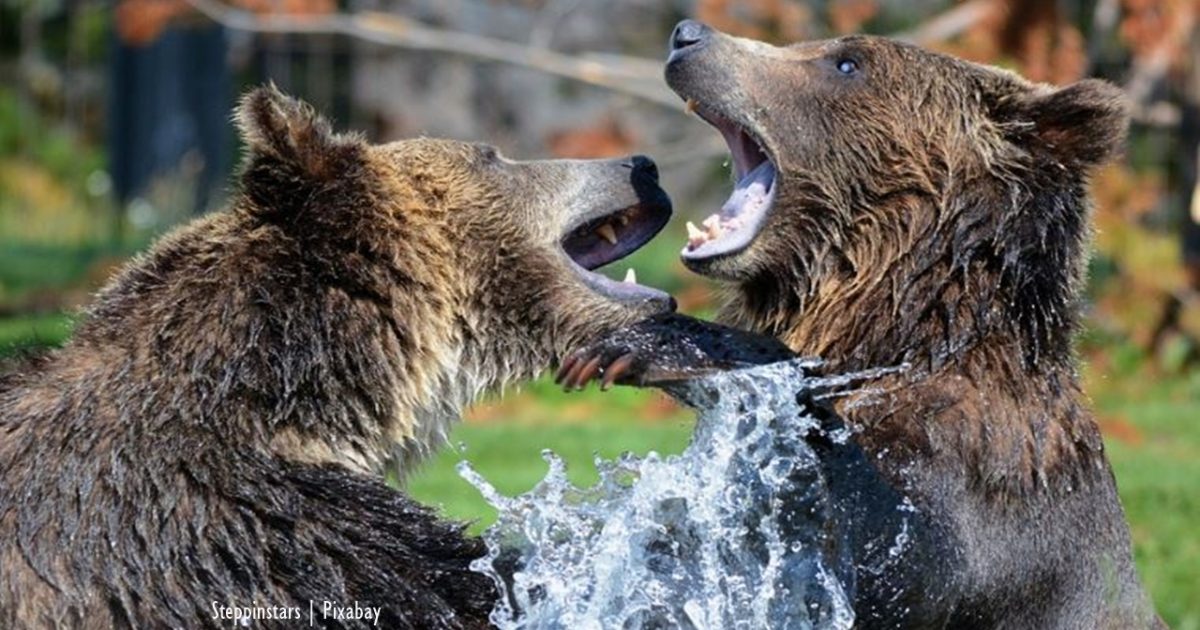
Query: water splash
x=732, y=533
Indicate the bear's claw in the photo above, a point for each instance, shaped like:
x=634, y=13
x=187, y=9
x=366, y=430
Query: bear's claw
x=666, y=349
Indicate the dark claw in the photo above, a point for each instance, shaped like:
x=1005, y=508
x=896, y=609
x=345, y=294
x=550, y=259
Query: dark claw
x=616, y=369
x=667, y=349
x=566, y=366
x=568, y=382
x=590, y=369
x=569, y=367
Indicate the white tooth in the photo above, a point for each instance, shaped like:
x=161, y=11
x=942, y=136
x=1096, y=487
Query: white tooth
x=696, y=236
x=713, y=227
x=607, y=232
x=630, y=276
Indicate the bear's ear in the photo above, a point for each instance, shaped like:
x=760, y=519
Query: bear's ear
x=278, y=127
x=1083, y=123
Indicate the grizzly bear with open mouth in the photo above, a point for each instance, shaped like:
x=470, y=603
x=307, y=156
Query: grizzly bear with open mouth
x=208, y=448
x=897, y=207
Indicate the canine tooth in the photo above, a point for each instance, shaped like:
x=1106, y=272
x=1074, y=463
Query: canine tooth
x=607, y=232
x=630, y=276
x=696, y=236
x=691, y=106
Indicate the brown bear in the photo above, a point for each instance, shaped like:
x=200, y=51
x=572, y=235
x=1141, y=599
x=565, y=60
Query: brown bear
x=898, y=207
x=207, y=449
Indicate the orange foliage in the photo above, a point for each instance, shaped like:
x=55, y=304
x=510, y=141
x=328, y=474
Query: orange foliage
x=1124, y=196
x=1031, y=35
x=1135, y=303
x=1159, y=34
x=605, y=138
x=1147, y=23
x=848, y=16
x=778, y=21
x=140, y=22
x=288, y=7
x=1120, y=428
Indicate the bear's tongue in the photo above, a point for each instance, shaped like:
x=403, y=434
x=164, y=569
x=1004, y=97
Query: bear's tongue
x=740, y=218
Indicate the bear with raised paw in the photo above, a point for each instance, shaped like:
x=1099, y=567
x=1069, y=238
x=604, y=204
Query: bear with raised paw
x=208, y=449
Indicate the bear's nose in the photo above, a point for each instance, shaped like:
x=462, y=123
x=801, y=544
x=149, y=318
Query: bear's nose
x=643, y=167
x=689, y=33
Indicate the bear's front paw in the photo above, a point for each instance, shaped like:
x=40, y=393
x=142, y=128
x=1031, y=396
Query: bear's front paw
x=657, y=351
x=666, y=349
x=609, y=361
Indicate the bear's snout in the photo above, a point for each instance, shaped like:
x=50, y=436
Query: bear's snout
x=644, y=169
x=689, y=33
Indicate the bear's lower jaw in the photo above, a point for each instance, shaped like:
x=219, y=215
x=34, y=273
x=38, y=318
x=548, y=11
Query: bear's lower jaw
x=740, y=220
x=611, y=237
x=627, y=291
x=743, y=215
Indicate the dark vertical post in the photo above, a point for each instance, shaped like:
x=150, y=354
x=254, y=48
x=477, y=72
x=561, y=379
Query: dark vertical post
x=1189, y=139
x=170, y=98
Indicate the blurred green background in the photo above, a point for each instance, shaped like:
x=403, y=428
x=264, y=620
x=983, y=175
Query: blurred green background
x=114, y=128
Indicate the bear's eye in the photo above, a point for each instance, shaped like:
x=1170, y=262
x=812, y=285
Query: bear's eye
x=847, y=66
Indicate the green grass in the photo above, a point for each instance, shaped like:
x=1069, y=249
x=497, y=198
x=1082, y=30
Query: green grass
x=25, y=266
x=1158, y=476
x=508, y=455
x=504, y=440
x=35, y=331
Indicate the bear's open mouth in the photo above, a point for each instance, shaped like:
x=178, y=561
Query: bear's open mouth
x=742, y=216
x=612, y=236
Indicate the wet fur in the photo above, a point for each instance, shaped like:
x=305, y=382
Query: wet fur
x=217, y=427
x=933, y=213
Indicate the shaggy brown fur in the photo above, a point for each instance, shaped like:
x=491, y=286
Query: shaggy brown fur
x=931, y=213
x=214, y=432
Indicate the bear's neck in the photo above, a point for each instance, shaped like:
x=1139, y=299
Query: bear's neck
x=976, y=275
x=983, y=316
x=314, y=356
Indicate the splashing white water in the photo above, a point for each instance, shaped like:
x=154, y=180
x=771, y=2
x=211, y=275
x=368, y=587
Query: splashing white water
x=732, y=533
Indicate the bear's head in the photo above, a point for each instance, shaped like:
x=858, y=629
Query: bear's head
x=865, y=162
x=475, y=262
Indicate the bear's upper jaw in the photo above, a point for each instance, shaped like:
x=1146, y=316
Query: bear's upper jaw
x=744, y=213
x=601, y=240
